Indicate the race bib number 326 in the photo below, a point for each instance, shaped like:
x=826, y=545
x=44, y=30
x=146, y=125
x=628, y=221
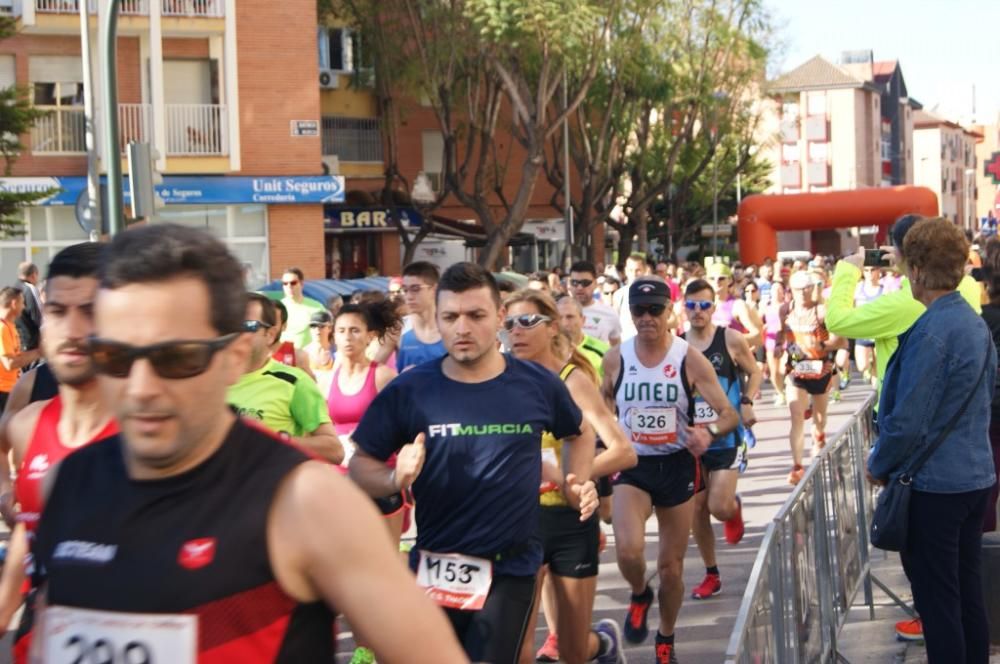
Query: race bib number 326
x=71, y=636
x=654, y=425
x=455, y=581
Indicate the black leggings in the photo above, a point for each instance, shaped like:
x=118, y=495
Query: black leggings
x=942, y=562
x=494, y=633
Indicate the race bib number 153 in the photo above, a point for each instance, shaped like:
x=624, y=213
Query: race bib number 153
x=455, y=581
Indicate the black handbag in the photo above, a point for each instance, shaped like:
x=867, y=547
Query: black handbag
x=891, y=518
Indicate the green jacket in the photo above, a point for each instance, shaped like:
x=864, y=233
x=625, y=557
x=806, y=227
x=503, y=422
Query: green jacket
x=882, y=319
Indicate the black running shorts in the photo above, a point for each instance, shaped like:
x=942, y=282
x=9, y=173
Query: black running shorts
x=720, y=459
x=669, y=479
x=571, y=547
x=814, y=386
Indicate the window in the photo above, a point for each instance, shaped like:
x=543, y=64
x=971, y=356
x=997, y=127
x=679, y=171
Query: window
x=57, y=87
x=819, y=152
x=817, y=103
x=432, y=146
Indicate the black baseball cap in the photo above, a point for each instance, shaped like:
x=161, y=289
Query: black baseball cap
x=321, y=318
x=648, y=291
x=901, y=227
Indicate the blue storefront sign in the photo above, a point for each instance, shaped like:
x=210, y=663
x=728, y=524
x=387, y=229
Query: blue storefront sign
x=368, y=219
x=200, y=190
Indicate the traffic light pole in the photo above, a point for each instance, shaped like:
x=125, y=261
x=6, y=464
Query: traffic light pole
x=112, y=146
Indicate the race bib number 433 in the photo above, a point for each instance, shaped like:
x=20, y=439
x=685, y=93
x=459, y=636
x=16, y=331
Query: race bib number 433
x=72, y=636
x=455, y=581
x=655, y=425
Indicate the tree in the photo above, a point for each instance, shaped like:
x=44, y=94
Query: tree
x=17, y=117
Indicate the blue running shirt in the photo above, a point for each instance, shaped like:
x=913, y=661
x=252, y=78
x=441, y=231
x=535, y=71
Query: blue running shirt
x=413, y=351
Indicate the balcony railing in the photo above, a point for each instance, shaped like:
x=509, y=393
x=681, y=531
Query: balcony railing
x=192, y=129
x=183, y=8
x=352, y=139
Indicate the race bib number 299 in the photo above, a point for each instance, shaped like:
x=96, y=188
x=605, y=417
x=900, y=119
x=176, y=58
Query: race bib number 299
x=83, y=636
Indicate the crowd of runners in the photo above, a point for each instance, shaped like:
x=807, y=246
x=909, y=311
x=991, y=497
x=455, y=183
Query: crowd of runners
x=199, y=473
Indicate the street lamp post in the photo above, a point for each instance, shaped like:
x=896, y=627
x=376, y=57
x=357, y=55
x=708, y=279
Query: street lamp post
x=969, y=219
x=112, y=147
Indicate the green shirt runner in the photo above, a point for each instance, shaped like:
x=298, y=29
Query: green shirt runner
x=283, y=398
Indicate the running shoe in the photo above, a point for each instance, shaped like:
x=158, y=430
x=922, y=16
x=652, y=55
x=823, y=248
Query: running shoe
x=845, y=380
x=779, y=399
x=749, y=438
x=636, y=629
x=835, y=396
x=614, y=655
x=665, y=653
x=363, y=656
x=735, y=527
x=910, y=630
x=549, y=652
x=709, y=587
x=819, y=442
x=795, y=476
x=867, y=375
x=741, y=457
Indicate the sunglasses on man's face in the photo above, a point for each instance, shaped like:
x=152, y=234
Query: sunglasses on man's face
x=172, y=360
x=654, y=310
x=525, y=321
x=293, y=282
x=700, y=305
x=580, y=283
x=255, y=325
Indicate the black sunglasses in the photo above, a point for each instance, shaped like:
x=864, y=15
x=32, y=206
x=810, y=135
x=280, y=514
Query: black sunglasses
x=701, y=305
x=524, y=321
x=255, y=325
x=580, y=282
x=170, y=359
x=654, y=310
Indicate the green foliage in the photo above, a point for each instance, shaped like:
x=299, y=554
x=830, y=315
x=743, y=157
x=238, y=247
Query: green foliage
x=562, y=28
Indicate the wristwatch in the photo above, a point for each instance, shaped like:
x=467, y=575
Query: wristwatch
x=746, y=401
x=714, y=430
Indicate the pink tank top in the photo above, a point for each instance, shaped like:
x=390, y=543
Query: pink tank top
x=724, y=316
x=346, y=409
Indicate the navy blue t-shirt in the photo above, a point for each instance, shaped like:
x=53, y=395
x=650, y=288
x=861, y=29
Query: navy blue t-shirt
x=478, y=490
x=412, y=351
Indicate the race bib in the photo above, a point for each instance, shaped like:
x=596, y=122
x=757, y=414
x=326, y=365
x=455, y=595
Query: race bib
x=655, y=425
x=809, y=368
x=455, y=581
x=82, y=635
x=703, y=412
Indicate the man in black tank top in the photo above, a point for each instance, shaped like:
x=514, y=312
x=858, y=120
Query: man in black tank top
x=194, y=536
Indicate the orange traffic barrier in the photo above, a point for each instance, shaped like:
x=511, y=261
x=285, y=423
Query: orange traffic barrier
x=761, y=216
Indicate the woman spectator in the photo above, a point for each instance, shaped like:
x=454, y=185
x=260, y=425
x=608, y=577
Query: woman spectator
x=937, y=370
x=991, y=314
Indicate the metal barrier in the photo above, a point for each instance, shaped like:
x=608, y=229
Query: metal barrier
x=814, y=558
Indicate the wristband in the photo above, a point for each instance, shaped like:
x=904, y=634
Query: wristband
x=746, y=401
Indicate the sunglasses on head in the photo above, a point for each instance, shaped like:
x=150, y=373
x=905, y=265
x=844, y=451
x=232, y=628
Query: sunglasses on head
x=170, y=359
x=255, y=325
x=700, y=305
x=525, y=321
x=293, y=282
x=580, y=282
x=640, y=310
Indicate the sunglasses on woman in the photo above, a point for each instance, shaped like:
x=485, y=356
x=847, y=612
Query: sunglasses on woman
x=654, y=310
x=525, y=321
x=173, y=360
x=700, y=305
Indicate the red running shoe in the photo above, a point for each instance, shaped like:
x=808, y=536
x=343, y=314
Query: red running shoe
x=549, y=652
x=636, y=629
x=712, y=585
x=665, y=653
x=910, y=630
x=734, y=527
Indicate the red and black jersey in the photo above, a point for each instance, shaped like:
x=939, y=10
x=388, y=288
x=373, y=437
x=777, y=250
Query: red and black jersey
x=194, y=543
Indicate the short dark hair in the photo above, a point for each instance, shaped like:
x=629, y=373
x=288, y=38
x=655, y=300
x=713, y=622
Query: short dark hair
x=8, y=294
x=267, y=308
x=160, y=252
x=429, y=272
x=465, y=276
x=901, y=227
x=584, y=266
x=279, y=306
x=297, y=272
x=697, y=286
x=76, y=261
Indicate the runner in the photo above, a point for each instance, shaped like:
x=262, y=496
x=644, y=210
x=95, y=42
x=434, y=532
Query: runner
x=774, y=340
x=810, y=368
x=283, y=398
x=651, y=380
x=320, y=350
x=599, y=320
x=193, y=536
x=475, y=418
x=422, y=342
x=570, y=547
x=730, y=356
x=868, y=290
x=299, y=308
x=732, y=311
x=635, y=267
x=571, y=324
x=44, y=432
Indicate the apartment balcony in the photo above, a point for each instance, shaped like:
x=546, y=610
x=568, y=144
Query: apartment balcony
x=352, y=139
x=817, y=128
x=193, y=130
x=790, y=130
x=172, y=8
x=791, y=175
x=818, y=173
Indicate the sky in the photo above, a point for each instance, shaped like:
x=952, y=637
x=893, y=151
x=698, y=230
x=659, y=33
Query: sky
x=943, y=46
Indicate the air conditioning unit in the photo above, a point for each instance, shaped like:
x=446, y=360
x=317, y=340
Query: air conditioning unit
x=331, y=165
x=328, y=79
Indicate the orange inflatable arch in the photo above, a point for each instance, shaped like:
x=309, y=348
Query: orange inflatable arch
x=761, y=216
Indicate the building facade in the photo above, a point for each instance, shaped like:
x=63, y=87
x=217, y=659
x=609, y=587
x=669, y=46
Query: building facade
x=988, y=173
x=945, y=156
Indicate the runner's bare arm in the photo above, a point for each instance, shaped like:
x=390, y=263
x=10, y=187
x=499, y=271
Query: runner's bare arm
x=302, y=362
x=578, y=458
x=750, y=319
x=619, y=454
x=377, y=479
x=324, y=442
x=383, y=376
x=327, y=541
x=739, y=350
x=13, y=576
x=611, y=365
x=19, y=398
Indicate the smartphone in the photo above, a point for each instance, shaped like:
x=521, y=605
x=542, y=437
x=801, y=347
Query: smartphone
x=874, y=258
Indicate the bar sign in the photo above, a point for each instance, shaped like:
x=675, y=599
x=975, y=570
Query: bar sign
x=305, y=127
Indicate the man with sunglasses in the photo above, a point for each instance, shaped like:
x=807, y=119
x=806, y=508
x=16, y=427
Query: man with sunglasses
x=599, y=320
x=299, y=307
x=731, y=358
x=421, y=342
x=284, y=399
x=652, y=379
x=475, y=418
x=194, y=536
x=46, y=431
